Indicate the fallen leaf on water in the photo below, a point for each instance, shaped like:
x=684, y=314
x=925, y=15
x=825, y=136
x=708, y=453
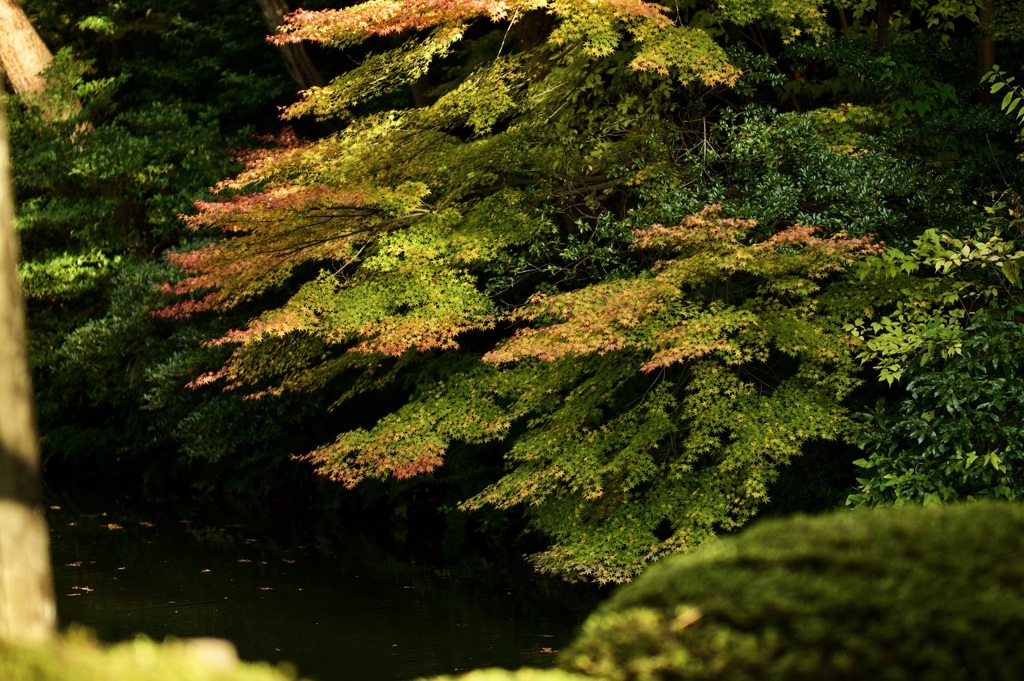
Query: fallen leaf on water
x=548, y=650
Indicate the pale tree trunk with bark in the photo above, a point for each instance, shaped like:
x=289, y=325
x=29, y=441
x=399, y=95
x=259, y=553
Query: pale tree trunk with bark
x=296, y=58
x=23, y=54
x=27, y=610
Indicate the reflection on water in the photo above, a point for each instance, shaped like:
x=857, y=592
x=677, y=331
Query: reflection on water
x=337, y=611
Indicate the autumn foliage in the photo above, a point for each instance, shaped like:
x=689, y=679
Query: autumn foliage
x=538, y=259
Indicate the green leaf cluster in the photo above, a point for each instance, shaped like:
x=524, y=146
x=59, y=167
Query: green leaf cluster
x=1013, y=96
x=954, y=341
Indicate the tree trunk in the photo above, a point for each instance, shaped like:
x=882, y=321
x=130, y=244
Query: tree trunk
x=533, y=28
x=986, y=45
x=295, y=56
x=421, y=88
x=882, y=33
x=27, y=610
x=23, y=54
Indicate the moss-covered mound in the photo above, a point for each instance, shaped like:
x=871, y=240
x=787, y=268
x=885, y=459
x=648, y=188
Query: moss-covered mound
x=77, y=658
x=910, y=593
x=525, y=674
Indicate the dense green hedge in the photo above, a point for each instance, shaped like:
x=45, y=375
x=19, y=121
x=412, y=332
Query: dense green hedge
x=78, y=658
x=908, y=593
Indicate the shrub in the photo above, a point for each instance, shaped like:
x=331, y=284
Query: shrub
x=77, y=657
x=906, y=593
x=525, y=674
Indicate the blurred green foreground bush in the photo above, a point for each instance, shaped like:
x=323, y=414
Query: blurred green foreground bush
x=908, y=593
x=76, y=657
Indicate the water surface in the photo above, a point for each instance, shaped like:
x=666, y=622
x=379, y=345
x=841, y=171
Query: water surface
x=339, y=608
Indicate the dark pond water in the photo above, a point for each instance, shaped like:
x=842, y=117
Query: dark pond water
x=337, y=608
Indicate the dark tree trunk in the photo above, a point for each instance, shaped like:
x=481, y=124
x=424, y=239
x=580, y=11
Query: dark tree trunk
x=296, y=58
x=986, y=45
x=533, y=29
x=884, y=12
x=27, y=610
x=421, y=89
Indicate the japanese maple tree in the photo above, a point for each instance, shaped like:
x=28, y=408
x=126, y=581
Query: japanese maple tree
x=516, y=255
